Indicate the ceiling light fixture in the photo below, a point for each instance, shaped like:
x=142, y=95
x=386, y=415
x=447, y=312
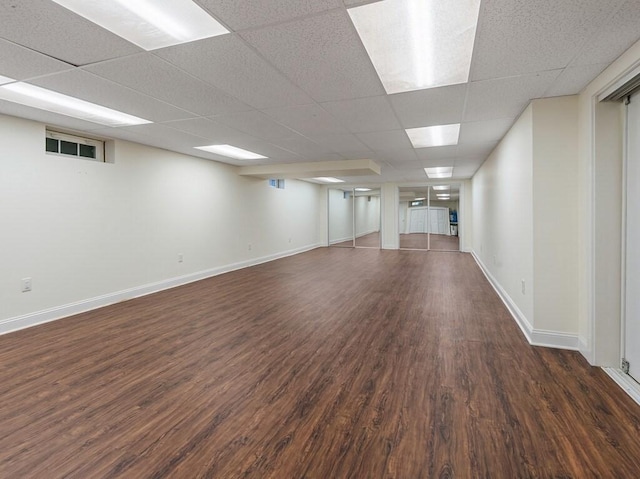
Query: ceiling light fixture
x=441, y=187
x=438, y=135
x=419, y=199
x=328, y=179
x=231, y=152
x=148, y=24
x=416, y=44
x=43, y=99
x=4, y=80
x=439, y=172
x=363, y=189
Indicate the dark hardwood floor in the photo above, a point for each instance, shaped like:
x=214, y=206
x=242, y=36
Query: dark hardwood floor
x=336, y=363
x=371, y=240
x=438, y=242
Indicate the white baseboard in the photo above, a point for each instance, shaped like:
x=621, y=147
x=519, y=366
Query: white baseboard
x=535, y=337
x=59, y=312
x=627, y=383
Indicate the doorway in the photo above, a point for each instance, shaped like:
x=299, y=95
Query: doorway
x=428, y=217
x=631, y=266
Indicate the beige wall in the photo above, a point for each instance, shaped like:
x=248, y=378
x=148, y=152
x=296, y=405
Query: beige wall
x=555, y=214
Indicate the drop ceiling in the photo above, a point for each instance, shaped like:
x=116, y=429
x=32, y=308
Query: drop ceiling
x=292, y=80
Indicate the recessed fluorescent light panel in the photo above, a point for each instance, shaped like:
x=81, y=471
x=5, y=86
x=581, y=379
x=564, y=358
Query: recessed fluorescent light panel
x=441, y=187
x=43, y=99
x=147, y=23
x=439, y=172
x=439, y=135
x=231, y=152
x=328, y=179
x=419, y=199
x=416, y=44
x=363, y=189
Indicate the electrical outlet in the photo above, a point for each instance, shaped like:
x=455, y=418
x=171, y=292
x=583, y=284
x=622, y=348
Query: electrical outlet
x=523, y=286
x=180, y=258
x=26, y=285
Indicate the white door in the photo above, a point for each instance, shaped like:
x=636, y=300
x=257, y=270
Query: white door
x=632, y=267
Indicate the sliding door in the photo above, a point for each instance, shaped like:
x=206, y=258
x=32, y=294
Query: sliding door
x=632, y=262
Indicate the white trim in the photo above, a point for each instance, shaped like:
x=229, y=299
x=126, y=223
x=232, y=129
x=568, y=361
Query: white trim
x=619, y=81
x=626, y=382
x=59, y=312
x=535, y=337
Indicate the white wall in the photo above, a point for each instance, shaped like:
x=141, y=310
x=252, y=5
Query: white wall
x=367, y=215
x=340, y=216
x=465, y=216
x=91, y=233
x=525, y=220
x=502, y=214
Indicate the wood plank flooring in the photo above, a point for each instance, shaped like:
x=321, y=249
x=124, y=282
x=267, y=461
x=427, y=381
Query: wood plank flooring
x=438, y=242
x=336, y=363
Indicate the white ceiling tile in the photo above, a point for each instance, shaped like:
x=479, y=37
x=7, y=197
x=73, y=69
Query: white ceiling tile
x=505, y=97
x=393, y=156
x=323, y=157
x=437, y=154
x=440, y=159
x=22, y=63
x=213, y=131
x=364, y=114
x=475, y=150
x=385, y=140
x=307, y=50
x=157, y=78
x=341, y=142
x=613, y=37
x=88, y=87
x=308, y=120
x=433, y=106
x=255, y=123
x=406, y=165
x=482, y=131
x=358, y=155
x=48, y=28
x=239, y=15
x=164, y=135
x=305, y=147
x=523, y=36
x=227, y=63
x=573, y=79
